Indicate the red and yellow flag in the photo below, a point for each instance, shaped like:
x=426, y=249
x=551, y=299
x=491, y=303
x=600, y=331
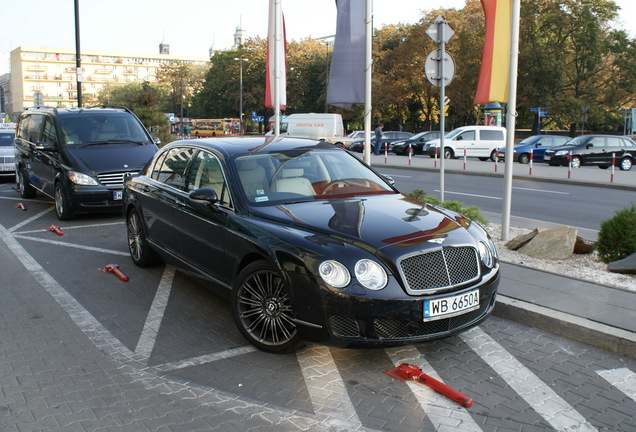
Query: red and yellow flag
x=495, y=56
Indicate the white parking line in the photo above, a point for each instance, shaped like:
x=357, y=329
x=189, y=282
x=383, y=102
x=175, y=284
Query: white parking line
x=549, y=405
x=621, y=378
x=73, y=245
x=148, y=336
x=326, y=389
x=472, y=195
x=442, y=412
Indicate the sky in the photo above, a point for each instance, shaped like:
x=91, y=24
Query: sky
x=190, y=27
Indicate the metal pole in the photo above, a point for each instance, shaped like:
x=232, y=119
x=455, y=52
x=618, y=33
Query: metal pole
x=442, y=96
x=510, y=119
x=277, y=60
x=367, y=81
x=78, y=63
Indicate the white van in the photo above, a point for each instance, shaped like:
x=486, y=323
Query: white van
x=478, y=141
x=326, y=127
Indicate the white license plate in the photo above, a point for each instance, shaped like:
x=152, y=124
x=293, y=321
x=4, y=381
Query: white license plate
x=117, y=195
x=450, y=306
x=7, y=167
x=547, y=157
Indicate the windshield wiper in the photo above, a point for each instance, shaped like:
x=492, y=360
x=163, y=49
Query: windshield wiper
x=117, y=141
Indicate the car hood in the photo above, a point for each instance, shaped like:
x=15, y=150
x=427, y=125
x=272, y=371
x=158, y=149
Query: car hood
x=393, y=223
x=113, y=157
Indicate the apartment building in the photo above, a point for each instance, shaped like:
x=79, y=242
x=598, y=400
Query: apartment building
x=47, y=76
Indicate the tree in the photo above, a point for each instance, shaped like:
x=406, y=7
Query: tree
x=182, y=81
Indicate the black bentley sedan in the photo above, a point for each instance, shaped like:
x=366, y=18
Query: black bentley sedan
x=309, y=243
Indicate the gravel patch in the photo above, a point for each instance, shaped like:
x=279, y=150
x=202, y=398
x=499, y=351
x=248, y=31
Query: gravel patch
x=584, y=267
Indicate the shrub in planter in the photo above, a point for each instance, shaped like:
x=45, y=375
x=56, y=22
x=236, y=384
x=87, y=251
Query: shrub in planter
x=617, y=237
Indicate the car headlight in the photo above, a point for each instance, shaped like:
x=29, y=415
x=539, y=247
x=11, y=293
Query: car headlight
x=561, y=153
x=487, y=253
x=334, y=273
x=82, y=179
x=370, y=274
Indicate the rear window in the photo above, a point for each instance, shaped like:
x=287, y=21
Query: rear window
x=491, y=135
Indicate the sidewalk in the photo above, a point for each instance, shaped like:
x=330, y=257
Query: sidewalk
x=594, y=314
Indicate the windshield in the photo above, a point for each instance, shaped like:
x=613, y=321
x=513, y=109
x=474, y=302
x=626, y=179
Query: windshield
x=85, y=128
x=453, y=133
x=6, y=139
x=305, y=175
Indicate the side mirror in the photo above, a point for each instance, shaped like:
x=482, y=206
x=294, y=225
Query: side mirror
x=204, y=195
x=45, y=146
x=388, y=179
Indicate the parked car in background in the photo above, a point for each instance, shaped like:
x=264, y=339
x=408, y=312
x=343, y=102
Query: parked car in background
x=309, y=243
x=536, y=144
x=416, y=143
x=79, y=156
x=477, y=141
x=387, y=138
x=7, y=153
x=594, y=150
x=353, y=136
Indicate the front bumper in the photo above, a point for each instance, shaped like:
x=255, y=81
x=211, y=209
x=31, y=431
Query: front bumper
x=354, y=320
x=95, y=199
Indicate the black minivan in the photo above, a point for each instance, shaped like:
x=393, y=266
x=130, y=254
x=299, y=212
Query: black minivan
x=79, y=156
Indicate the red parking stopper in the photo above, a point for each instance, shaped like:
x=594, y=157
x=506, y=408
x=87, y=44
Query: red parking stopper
x=114, y=268
x=411, y=372
x=21, y=206
x=56, y=229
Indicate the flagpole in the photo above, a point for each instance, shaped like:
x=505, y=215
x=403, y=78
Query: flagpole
x=511, y=115
x=277, y=62
x=368, y=21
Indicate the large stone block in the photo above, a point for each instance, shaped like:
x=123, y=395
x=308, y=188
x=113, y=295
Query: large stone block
x=555, y=243
x=625, y=265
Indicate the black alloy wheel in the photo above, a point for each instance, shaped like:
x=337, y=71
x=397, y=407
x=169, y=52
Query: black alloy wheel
x=140, y=251
x=262, y=309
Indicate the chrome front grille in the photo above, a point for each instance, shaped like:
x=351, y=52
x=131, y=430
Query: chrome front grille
x=114, y=180
x=440, y=269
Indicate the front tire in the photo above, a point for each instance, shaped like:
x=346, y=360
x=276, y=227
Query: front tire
x=524, y=158
x=62, y=204
x=140, y=251
x=448, y=153
x=576, y=162
x=262, y=309
x=24, y=185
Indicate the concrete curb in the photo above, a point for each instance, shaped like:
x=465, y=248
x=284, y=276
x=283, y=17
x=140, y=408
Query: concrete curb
x=570, y=326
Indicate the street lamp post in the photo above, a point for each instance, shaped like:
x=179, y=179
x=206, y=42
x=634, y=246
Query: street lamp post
x=241, y=60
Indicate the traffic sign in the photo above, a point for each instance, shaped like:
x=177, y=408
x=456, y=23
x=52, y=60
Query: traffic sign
x=438, y=25
x=432, y=67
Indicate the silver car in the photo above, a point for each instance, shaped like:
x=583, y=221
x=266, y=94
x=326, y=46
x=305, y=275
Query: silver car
x=7, y=154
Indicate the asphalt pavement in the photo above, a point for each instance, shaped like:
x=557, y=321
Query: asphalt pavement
x=594, y=314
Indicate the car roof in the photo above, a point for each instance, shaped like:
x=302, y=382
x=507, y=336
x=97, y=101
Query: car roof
x=230, y=146
x=68, y=111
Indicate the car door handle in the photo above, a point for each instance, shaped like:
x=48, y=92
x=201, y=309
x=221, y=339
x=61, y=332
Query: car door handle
x=145, y=188
x=179, y=202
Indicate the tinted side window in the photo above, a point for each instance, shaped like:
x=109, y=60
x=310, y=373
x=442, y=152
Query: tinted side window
x=492, y=135
x=560, y=140
x=544, y=142
x=23, y=127
x=48, y=134
x=206, y=172
x=596, y=142
x=468, y=135
x=35, y=128
x=172, y=170
x=613, y=142
x=627, y=143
